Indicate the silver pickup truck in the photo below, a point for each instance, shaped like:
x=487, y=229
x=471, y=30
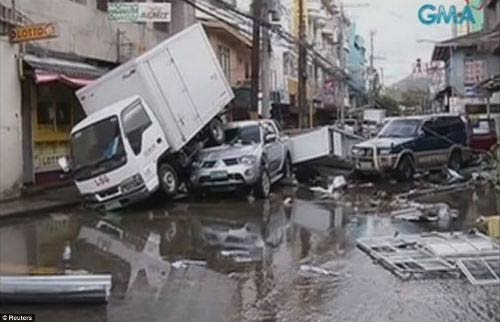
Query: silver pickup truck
x=255, y=156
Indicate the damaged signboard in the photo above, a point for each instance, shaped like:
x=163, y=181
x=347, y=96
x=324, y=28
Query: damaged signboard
x=407, y=256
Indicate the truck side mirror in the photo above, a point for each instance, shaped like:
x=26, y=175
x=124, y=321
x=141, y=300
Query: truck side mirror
x=64, y=164
x=270, y=138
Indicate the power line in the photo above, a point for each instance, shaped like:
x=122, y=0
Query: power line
x=312, y=52
x=273, y=28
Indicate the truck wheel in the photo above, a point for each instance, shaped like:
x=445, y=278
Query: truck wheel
x=216, y=131
x=404, y=170
x=263, y=187
x=455, y=161
x=169, y=180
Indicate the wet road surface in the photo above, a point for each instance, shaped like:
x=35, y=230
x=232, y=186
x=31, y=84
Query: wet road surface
x=245, y=260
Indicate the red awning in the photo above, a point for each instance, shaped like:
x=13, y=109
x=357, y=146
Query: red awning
x=43, y=77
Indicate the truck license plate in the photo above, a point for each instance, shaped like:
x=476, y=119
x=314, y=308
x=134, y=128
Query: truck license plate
x=365, y=165
x=218, y=175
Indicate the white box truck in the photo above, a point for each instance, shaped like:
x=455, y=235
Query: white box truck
x=145, y=121
x=374, y=115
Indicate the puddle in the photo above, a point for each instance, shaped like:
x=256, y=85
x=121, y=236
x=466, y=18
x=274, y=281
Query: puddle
x=241, y=261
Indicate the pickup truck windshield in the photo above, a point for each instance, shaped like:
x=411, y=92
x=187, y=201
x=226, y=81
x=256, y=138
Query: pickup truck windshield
x=400, y=129
x=243, y=135
x=97, y=149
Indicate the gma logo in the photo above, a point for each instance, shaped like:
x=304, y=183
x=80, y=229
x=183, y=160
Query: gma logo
x=429, y=14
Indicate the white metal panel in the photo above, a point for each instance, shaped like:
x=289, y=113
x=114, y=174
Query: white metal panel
x=201, y=73
x=311, y=145
x=174, y=94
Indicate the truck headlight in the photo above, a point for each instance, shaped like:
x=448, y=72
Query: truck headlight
x=131, y=183
x=248, y=159
x=384, y=151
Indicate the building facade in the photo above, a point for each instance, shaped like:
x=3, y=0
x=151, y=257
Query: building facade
x=356, y=66
x=39, y=79
x=470, y=60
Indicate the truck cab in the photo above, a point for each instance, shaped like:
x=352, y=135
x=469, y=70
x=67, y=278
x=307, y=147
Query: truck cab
x=408, y=144
x=115, y=153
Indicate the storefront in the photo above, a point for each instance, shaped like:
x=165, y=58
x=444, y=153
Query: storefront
x=50, y=109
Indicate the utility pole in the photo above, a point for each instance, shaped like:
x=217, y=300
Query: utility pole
x=342, y=65
x=182, y=15
x=118, y=40
x=371, y=72
x=302, y=101
x=266, y=66
x=372, y=34
x=254, y=89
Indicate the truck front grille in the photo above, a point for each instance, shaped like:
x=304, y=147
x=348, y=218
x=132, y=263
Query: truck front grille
x=108, y=192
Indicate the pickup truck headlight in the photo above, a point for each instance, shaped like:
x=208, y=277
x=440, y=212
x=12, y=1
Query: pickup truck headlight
x=131, y=183
x=248, y=159
x=197, y=164
x=384, y=151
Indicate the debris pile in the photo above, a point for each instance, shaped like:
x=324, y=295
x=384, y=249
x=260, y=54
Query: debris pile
x=408, y=256
x=422, y=212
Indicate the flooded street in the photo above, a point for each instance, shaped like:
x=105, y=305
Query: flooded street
x=240, y=259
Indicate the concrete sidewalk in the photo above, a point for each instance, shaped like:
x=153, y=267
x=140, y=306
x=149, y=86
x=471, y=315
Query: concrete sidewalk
x=41, y=202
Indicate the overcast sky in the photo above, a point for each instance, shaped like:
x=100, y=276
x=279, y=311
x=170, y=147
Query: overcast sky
x=397, y=30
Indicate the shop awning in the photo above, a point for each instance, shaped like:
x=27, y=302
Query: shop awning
x=72, y=73
x=42, y=77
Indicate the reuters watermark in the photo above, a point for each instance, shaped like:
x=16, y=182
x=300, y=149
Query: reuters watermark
x=16, y=317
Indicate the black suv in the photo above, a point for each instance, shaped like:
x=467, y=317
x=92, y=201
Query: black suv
x=408, y=144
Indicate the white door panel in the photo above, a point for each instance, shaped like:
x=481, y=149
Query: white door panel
x=177, y=94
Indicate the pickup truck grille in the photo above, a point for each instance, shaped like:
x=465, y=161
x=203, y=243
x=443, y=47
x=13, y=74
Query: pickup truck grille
x=208, y=164
x=230, y=162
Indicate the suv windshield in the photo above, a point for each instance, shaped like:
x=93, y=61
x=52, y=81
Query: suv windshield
x=97, y=149
x=400, y=129
x=243, y=135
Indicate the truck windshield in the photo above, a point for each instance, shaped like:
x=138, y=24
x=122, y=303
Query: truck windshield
x=243, y=135
x=400, y=129
x=97, y=148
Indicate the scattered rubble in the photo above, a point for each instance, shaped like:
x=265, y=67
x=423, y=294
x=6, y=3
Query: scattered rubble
x=308, y=271
x=183, y=263
x=420, y=212
x=334, y=189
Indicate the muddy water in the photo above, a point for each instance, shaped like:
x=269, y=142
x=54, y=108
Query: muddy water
x=249, y=261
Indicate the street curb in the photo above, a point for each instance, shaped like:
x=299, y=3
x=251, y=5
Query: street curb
x=29, y=211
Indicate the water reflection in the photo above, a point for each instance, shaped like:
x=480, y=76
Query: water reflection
x=253, y=252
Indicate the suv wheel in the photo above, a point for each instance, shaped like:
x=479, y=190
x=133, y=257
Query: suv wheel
x=455, y=161
x=263, y=186
x=405, y=170
x=169, y=180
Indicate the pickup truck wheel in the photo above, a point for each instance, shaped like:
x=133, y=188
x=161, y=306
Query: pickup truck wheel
x=287, y=168
x=169, y=180
x=263, y=187
x=455, y=161
x=216, y=131
x=404, y=170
